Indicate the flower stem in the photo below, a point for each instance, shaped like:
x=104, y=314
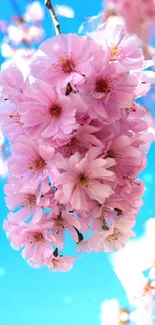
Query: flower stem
x=16, y=8
x=48, y=4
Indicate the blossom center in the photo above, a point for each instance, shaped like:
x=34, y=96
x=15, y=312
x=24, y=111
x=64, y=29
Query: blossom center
x=116, y=154
x=37, y=238
x=67, y=65
x=37, y=164
x=115, y=236
x=115, y=52
x=102, y=86
x=72, y=142
x=55, y=110
x=83, y=180
x=29, y=200
x=111, y=154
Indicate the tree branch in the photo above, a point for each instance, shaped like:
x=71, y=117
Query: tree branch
x=48, y=4
x=17, y=10
x=19, y=19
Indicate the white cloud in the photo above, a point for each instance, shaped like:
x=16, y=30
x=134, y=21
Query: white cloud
x=136, y=257
x=110, y=312
x=64, y=11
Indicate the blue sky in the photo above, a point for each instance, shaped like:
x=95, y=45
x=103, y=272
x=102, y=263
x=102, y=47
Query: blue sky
x=39, y=297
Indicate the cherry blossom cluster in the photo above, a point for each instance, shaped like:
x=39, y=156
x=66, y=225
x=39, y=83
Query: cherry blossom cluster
x=144, y=11
x=23, y=30
x=138, y=16
x=79, y=139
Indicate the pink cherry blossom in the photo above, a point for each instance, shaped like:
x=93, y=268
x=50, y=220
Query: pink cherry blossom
x=83, y=178
x=31, y=201
x=59, y=223
x=101, y=217
x=53, y=113
x=60, y=263
x=121, y=149
x=108, y=91
x=130, y=204
x=145, y=80
x=134, y=192
x=67, y=59
x=10, y=120
x=126, y=155
x=131, y=125
x=31, y=160
x=135, y=110
x=111, y=239
x=117, y=236
x=11, y=82
x=28, y=203
x=79, y=139
x=35, y=239
x=138, y=16
x=122, y=49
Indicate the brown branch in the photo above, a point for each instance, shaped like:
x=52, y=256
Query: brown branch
x=16, y=8
x=19, y=19
x=56, y=24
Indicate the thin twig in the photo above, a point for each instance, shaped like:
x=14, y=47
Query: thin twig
x=20, y=19
x=48, y=4
x=17, y=10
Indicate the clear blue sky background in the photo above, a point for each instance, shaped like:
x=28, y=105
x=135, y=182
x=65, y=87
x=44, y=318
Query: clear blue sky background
x=38, y=297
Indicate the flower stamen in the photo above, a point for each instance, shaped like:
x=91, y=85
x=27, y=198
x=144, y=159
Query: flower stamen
x=55, y=110
x=102, y=86
x=67, y=65
x=37, y=164
x=36, y=238
x=115, y=236
x=83, y=180
x=29, y=201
